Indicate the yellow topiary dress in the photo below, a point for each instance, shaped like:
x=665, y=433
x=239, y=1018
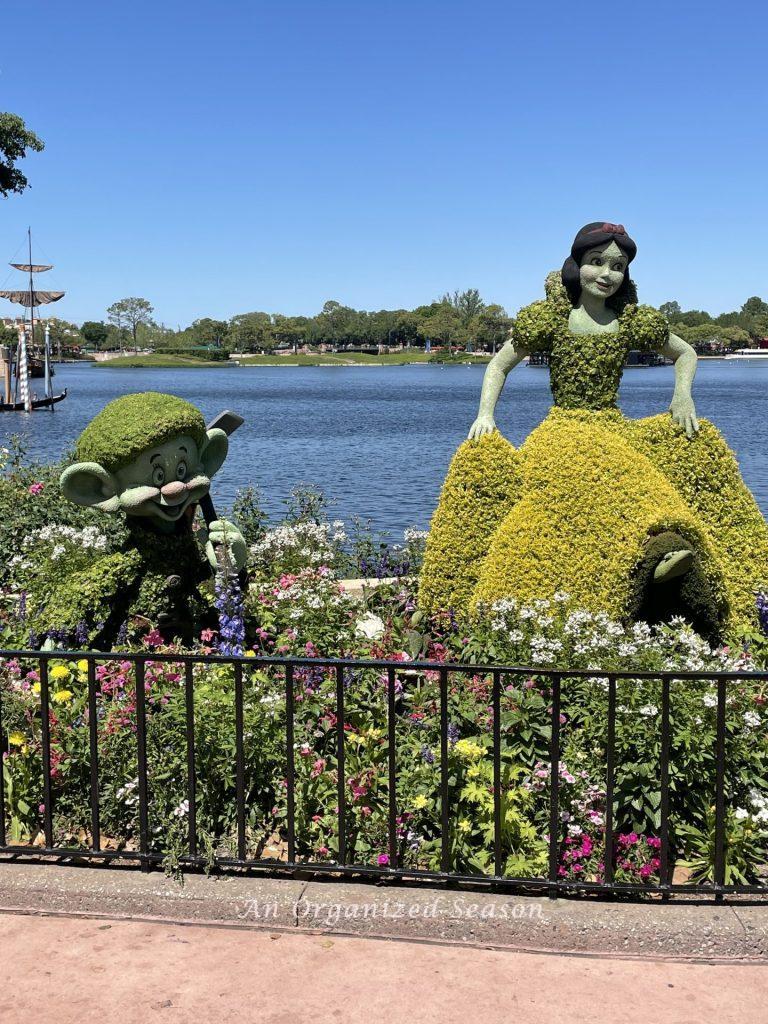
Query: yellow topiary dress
x=592, y=500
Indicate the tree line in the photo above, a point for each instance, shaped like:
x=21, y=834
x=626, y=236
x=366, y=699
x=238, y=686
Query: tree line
x=460, y=318
x=739, y=329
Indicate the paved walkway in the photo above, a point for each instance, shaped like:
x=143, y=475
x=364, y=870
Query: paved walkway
x=61, y=970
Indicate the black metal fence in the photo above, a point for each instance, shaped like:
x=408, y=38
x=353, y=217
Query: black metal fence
x=550, y=882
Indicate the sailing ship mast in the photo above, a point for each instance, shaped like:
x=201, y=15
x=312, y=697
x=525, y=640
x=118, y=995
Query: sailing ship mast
x=31, y=298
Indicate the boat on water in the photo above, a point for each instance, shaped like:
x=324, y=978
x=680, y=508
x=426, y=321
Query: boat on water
x=749, y=353
x=17, y=364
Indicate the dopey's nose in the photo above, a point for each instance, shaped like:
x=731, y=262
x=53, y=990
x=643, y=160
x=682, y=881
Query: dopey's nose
x=173, y=491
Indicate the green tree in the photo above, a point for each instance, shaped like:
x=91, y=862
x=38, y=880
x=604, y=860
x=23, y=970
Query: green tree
x=730, y=337
x=290, y=330
x=206, y=331
x=754, y=314
x=128, y=314
x=491, y=328
x=252, y=332
x=444, y=325
x=61, y=333
x=468, y=304
x=95, y=332
x=692, y=318
x=15, y=140
x=336, y=324
x=671, y=310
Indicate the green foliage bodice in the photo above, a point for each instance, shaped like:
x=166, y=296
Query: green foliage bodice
x=585, y=369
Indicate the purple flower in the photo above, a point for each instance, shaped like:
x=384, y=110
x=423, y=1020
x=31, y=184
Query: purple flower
x=229, y=604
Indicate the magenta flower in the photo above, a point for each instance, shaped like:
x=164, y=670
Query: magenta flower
x=36, y=488
x=383, y=860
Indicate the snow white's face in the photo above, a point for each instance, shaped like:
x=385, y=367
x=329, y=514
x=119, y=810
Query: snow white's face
x=602, y=270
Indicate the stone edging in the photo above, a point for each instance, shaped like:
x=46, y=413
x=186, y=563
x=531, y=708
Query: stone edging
x=678, y=929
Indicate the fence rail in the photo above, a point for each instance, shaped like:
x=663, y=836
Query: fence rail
x=242, y=668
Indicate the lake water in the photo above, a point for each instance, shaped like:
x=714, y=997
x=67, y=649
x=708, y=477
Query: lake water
x=378, y=439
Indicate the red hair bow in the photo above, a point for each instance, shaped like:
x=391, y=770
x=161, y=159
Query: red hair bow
x=614, y=229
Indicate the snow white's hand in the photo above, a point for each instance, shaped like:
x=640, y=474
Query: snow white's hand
x=484, y=424
x=684, y=415
x=220, y=532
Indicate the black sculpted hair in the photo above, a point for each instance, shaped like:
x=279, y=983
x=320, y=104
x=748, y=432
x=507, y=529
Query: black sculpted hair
x=593, y=236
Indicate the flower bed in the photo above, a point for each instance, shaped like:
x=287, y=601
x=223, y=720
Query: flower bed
x=295, y=606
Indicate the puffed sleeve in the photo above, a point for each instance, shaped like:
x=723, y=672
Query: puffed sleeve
x=644, y=328
x=536, y=326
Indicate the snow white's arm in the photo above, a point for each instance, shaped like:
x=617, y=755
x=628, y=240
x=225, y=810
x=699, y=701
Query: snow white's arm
x=506, y=359
x=682, y=408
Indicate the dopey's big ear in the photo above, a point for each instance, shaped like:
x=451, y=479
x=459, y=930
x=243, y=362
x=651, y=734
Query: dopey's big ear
x=214, y=451
x=89, y=484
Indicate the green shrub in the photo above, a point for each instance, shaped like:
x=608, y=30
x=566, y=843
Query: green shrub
x=482, y=485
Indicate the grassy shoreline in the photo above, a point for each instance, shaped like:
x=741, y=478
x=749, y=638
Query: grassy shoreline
x=157, y=361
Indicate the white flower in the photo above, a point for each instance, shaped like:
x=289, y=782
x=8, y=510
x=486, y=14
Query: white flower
x=751, y=719
x=182, y=809
x=370, y=626
x=709, y=700
x=649, y=709
x=740, y=813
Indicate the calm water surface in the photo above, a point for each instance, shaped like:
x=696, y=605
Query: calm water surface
x=378, y=439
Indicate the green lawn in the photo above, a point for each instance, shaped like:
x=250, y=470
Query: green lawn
x=338, y=359
x=341, y=359
x=158, y=361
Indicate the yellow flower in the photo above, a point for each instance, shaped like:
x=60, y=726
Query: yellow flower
x=17, y=739
x=61, y=696
x=82, y=665
x=473, y=771
x=59, y=672
x=465, y=825
x=250, y=654
x=467, y=750
x=420, y=802
x=36, y=688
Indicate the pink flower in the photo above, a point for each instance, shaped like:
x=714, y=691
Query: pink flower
x=153, y=638
x=383, y=860
x=654, y=843
x=633, y=838
x=366, y=812
x=36, y=488
x=207, y=635
x=318, y=767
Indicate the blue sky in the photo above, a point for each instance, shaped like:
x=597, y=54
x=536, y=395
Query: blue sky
x=222, y=157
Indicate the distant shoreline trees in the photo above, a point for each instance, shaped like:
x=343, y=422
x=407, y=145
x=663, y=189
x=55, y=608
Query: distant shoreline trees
x=738, y=329
x=461, y=320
